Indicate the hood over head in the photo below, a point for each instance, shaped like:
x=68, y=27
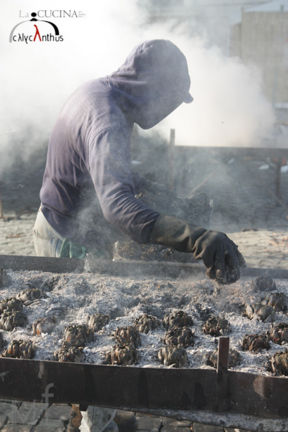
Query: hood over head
x=153, y=82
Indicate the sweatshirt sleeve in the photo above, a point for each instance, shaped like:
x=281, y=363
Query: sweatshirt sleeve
x=109, y=168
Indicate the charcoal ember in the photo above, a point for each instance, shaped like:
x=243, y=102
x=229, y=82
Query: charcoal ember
x=129, y=336
x=20, y=349
x=145, y=323
x=122, y=355
x=9, y=319
x=234, y=358
x=255, y=343
x=261, y=312
x=278, y=301
x=44, y=325
x=216, y=326
x=78, y=334
x=30, y=295
x=11, y=304
x=97, y=321
x=69, y=353
x=179, y=337
x=178, y=318
x=278, y=363
x=173, y=356
x=57, y=311
x=279, y=333
x=263, y=283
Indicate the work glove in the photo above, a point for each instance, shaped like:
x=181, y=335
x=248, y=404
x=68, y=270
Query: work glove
x=219, y=254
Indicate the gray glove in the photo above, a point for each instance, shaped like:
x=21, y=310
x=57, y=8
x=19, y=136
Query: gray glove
x=219, y=254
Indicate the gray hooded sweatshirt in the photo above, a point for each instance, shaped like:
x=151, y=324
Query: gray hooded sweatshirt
x=89, y=148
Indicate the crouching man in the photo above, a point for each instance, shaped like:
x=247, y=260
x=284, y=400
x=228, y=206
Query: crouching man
x=89, y=151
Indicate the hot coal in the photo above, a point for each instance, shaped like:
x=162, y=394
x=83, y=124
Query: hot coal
x=263, y=283
x=173, y=356
x=122, y=355
x=179, y=337
x=234, y=358
x=216, y=326
x=69, y=353
x=20, y=349
x=255, y=343
x=44, y=325
x=97, y=321
x=178, y=319
x=278, y=363
x=78, y=334
x=262, y=312
x=127, y=336
x=145, y=323
x=279, y=333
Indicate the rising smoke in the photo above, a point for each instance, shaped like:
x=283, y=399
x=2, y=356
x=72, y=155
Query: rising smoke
x=229, y=107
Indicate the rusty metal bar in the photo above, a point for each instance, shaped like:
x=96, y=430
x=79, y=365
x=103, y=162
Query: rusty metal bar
x=144, y=388
x=55, y=265
x=124, y=268
x=223, y=355
x=1, y=210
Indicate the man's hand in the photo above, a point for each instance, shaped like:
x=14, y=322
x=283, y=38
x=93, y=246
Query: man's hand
x=220, y=255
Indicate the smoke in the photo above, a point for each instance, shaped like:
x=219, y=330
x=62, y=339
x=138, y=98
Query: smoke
x=35, y=79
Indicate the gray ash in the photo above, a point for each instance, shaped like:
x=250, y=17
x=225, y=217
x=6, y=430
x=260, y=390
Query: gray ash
x=50, y=283
x=255, y=343
x=145, y=323
x=179, y=337
x=176, y=357
x=178, y=319
x=216, y=326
